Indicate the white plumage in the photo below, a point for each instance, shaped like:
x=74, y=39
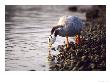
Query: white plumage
x=62, y=20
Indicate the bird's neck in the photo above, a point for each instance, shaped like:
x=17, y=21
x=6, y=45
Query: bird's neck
x=56, y=33
x=60, y=32
x=56, y=28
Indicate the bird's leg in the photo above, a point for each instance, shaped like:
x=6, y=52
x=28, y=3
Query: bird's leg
x=67, y=42
x=77, y=41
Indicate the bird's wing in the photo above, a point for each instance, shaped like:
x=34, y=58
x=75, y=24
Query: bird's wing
x=73, y=24
x=73, y=21
x=65, y=20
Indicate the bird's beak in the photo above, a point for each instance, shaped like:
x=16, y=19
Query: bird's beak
x=49, y=44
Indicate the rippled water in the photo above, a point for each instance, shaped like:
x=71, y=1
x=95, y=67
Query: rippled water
x=26, y=32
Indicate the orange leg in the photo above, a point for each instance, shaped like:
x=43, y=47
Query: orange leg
x=77, y=40
x=67, y=42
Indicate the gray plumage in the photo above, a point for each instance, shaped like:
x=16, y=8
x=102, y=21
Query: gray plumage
x=70, y=25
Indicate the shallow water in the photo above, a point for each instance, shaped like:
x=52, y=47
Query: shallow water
x=27, y=30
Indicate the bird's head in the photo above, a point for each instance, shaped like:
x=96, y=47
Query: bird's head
x=51, y=40
x=54, y=33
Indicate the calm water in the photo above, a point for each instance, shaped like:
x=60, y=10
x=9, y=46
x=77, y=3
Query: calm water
x=27, y=30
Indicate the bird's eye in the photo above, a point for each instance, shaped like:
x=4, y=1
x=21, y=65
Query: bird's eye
x=50, y=36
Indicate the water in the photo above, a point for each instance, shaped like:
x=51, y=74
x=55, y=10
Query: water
x=27, y=30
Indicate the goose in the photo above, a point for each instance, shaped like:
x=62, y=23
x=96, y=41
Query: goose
x=67, y=26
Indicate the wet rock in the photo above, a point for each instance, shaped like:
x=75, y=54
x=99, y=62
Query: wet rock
x=73, y=8
x=95, y=12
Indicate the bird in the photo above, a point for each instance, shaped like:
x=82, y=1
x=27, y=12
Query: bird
x=67, y=26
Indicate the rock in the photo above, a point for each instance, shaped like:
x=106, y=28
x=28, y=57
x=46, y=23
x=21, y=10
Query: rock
x=73, y=8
